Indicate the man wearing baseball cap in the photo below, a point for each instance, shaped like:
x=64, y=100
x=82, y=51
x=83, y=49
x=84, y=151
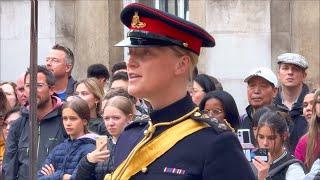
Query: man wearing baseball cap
x=261, y=89
x=291, y=75
x=179, y=141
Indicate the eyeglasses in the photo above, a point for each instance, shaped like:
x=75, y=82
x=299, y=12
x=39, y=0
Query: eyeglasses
x=194, y=91
x=213, y=112
x=39, y=85
x=53, y=60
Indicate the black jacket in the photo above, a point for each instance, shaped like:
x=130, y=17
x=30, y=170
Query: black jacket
x=96, y=171
x=205, y=154
x=71, y=86
x=246, y=122
x=51, y=133
x=300, y=124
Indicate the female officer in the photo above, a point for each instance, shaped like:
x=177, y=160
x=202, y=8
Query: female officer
x=175, y=143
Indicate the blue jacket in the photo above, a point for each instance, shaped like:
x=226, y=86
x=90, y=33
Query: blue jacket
x=66, y=156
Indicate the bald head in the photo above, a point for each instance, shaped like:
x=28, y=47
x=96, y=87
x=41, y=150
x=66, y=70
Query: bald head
x=22, y=98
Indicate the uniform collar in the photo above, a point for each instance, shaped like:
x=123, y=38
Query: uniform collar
x=173, y=111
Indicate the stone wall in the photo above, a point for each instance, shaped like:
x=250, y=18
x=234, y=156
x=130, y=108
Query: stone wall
x=243, y=41
x=296, y=28
x=90, y=28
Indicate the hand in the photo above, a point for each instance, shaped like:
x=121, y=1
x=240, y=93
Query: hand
x=66, y=177
x=262, y=167
x=47, y=170
x=99, y=155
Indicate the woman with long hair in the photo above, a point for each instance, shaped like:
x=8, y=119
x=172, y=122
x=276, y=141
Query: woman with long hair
x=313, y=135
x=272, y=134
x=117, y=114
x=90, y=90
x=63, y=160
x=202, y=84
x=221, y=105
x=9, y=89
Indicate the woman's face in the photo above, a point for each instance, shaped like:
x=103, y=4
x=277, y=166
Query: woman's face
x=197, y=93
x=307, y=106
x=115, y=120
x=151, y=71
x=10, y=119
x=267, y=139
x=215, y=108
x=10, y=94
x=73, y=124
x=88, y=96
x=318, y=106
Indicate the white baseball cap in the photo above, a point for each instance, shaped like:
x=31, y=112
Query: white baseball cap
x=263, y=72
x=292, y=58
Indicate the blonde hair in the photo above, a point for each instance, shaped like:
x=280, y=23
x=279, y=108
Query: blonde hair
x=122, y=103
x=94, y=87
x=193, y=57
x=313, y=135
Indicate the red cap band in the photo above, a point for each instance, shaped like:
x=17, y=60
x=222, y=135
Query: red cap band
x=161, y=28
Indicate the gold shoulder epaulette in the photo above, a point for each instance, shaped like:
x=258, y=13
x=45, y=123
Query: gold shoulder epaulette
x=219, y=126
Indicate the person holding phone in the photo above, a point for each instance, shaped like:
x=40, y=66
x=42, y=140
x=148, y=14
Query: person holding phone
x=63, y=160
x=117, y=114
x=272, y=134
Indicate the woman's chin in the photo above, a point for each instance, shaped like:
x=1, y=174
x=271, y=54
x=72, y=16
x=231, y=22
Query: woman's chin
x=133, y=90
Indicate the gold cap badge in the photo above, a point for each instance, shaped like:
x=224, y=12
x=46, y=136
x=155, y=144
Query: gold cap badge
x=136, y=23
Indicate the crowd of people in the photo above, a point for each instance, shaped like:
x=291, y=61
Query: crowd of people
x=283, y=116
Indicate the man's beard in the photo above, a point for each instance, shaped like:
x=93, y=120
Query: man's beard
x=43, y=102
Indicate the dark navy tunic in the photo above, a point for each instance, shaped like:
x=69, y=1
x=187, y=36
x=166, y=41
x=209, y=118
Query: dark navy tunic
x=206, y=154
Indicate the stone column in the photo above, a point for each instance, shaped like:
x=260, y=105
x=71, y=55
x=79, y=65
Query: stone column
x=90, y=28
x=295, y=28
x=242, y=32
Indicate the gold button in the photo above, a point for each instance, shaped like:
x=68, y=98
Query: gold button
x=107, y=177
x=197, y=114
x=144, y=170
x=145, y=132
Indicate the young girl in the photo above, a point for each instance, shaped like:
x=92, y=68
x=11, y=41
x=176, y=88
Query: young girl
x=272, y=134
x=63, y=160
x=117, y=114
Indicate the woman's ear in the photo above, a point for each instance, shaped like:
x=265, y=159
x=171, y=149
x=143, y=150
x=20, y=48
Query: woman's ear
x=130, y=118
x=85, y=122
x=285, y=137
x=183, y=64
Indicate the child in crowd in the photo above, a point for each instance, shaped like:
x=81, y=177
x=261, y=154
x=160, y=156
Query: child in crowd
x=117, y=114
x=272, y=134
x=62, y=162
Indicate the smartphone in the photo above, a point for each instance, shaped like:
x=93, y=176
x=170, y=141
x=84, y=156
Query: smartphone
x=101, y=140
x=260, y=153
x=244, y=135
